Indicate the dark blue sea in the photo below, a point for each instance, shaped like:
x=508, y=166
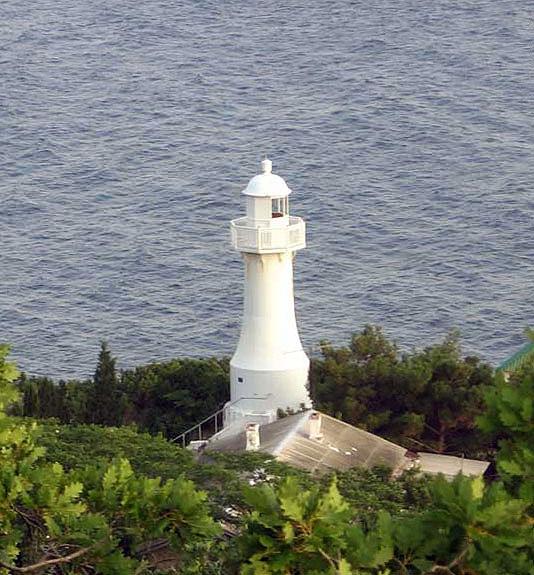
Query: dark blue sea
x=128, y=129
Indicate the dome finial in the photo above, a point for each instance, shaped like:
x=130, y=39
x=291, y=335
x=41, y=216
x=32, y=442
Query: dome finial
x=266, y=166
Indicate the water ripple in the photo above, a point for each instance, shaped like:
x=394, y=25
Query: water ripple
x=128, y=128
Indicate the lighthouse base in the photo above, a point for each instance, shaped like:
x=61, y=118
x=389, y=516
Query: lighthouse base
x=235, y=418
x=267, y=391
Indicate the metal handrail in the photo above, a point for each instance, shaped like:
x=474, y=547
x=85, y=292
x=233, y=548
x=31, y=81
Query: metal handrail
x=198, y=426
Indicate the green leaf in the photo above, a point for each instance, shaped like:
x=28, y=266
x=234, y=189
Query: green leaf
x=332, y=503
x=292, y=499
x=477, y=487
x=344, y=567
x=72, y=491
x=289, y=532
x=424, y=565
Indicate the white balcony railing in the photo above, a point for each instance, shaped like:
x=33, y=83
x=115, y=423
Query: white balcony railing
x=264, y=240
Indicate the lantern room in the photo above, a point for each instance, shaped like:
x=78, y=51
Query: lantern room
x=267, y=199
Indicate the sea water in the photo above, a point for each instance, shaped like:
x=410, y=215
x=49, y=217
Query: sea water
x=128, y=128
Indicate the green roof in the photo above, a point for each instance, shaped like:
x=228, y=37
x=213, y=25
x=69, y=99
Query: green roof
x=519, y=358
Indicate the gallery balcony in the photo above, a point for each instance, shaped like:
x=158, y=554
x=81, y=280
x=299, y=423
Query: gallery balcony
x=266, y=239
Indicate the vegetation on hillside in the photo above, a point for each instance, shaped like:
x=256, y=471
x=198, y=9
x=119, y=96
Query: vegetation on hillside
x=99, y=519
x=167, y=397
x=425, y=400
x=90, y=513
x=222, y=475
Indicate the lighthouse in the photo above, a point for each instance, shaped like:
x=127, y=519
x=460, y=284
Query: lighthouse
x=269, y=369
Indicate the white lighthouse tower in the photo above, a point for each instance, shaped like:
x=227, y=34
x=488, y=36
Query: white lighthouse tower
x=269, y=369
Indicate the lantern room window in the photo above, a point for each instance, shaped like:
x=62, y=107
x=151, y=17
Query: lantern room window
x=280, y=207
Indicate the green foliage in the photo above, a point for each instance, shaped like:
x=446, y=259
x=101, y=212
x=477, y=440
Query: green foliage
x=466, y=528
x=369, y=491
x=91, y=520
x=165, y=398
x=77, y=446
x=291, y=530
x=224, y=475
x=8, y=373
x=104, y=401
x=89, y=510
x=425, y=399
x=43, y=398
x=170, y=397
x=147, y=508
x=510, y=417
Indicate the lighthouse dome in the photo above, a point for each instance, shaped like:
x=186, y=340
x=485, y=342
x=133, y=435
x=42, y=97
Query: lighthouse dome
x=267, y=184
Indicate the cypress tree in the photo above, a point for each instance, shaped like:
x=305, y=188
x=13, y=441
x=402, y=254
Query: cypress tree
x=104, y=405
x=47, y=397
x=30, y=401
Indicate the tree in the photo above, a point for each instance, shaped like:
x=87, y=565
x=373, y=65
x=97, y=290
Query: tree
x=426, y=398
x=170, y=397
x=466, y=528
x=76, y=395
x=453, y=395
x=510, y=419
x=372, y=344
x=292, y=530
x=30, y=401
x=41, y=397
x=104, y=402
x=167, y=397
